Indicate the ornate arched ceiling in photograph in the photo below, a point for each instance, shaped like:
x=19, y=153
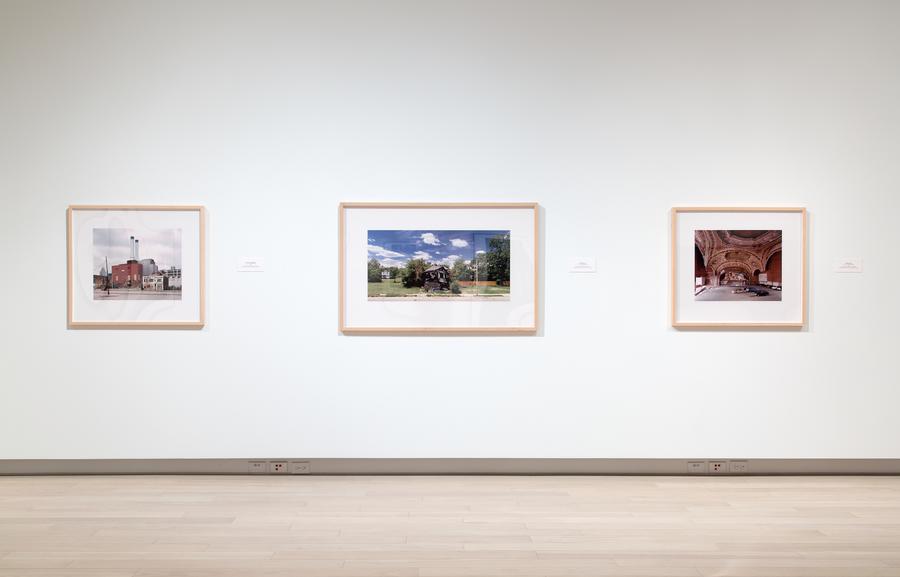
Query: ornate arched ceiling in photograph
x=750, y=247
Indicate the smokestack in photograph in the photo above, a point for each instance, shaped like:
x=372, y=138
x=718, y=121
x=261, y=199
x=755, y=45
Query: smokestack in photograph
x=131, y=242
x=137, y=250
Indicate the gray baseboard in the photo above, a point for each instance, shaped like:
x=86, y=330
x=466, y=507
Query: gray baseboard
x=454, y=466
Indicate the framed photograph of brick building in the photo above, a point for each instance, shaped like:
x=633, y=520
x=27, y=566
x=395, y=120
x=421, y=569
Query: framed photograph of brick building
x=738, y=267
x=136, y=266
x=438, y=268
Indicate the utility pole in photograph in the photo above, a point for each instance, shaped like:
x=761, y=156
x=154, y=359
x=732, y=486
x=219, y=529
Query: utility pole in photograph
x=108, y=276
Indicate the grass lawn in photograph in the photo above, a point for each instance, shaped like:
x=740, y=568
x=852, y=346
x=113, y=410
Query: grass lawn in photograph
x=389, y=288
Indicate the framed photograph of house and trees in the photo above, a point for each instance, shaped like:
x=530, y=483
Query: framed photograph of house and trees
x=438, y=267
x=738, y=267
x=136, y=266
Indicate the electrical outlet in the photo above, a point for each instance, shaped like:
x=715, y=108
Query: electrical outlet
x=300, y=468
x=257, y=467
x=739, y=467
x=717, y=467
x=696, y=467
x=278, y=467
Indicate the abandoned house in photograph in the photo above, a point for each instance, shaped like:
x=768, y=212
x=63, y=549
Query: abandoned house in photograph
x=437, y=278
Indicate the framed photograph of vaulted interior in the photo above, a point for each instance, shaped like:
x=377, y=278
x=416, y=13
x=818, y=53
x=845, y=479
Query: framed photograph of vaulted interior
x=738, y=267
x=136, y=266
x=438, y=267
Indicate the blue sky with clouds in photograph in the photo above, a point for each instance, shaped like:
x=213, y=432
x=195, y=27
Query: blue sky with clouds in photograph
x=396, y=247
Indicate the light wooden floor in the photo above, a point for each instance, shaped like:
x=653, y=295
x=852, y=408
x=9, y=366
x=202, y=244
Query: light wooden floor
x=449, y=526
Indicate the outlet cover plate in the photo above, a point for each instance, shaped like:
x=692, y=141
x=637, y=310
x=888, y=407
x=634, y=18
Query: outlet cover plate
x=717, y=467
x=696, y=467
x=278, y=467
x=257, y=467
x=300, y=468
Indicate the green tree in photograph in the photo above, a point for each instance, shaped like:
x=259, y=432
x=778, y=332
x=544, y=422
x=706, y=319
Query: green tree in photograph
x=497, y=258
x=374, y=270
x=414, y=275
x=461, y=271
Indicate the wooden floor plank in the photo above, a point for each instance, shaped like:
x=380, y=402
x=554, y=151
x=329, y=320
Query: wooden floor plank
x=183, y=526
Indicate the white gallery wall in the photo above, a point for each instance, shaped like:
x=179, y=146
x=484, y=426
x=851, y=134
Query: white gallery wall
x=270, y=113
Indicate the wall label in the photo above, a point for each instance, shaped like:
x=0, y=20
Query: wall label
x=848, y=264
x=582, y=264
x=251, y=264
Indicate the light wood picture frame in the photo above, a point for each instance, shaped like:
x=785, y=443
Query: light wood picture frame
x=451, y=239
x=164, y=290
x=726, y=251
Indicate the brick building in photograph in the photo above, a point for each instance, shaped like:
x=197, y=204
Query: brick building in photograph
x=127, y=275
